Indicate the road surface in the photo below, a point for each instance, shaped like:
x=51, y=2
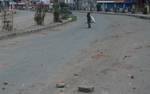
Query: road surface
x=30, y=63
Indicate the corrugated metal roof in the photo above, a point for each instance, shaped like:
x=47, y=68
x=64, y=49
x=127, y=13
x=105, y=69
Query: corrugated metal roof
x=110, y=1
x=116, y=1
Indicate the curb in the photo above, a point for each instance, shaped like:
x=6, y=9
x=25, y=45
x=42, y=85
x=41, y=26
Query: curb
x=14, y=34
x=131, y=15
x=123, y=14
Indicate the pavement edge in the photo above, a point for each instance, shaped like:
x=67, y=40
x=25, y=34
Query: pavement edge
x=14, y=34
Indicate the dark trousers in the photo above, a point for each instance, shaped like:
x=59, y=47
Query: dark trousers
x=89, y=25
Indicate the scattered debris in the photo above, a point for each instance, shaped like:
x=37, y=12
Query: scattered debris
x=127, y=56
x=75, y=74
x=85, y=87
x=134, y=88
x=98, y=55
x=61, y=84
x=5, y=83
x=130, y=76
x=3, y=88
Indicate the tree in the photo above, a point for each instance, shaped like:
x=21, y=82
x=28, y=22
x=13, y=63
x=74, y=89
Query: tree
x=40, y=14
x=56, y=12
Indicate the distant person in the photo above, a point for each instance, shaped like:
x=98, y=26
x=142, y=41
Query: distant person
x=89, y=19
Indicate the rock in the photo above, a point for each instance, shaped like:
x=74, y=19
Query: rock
x=5, y=83
x=86, y=88
x=60, y=85
x=75, y=74
x=3, y=88
x=130, y=76
x=125, y=57
x=134, y=88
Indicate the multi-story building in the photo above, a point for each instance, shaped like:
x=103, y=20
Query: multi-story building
x=85, y=4
x=69, y=1
x=140, y=4
x=5, y=4
x=115, y=4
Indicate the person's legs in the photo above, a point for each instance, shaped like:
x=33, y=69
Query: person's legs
x=89, y=25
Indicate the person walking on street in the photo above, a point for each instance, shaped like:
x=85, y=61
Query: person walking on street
x=89, y=19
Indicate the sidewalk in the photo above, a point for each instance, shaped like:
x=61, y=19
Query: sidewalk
x=24, y=23
x=138, y=15
x=141, y=16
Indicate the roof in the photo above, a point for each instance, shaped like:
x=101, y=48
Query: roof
x=110, y=1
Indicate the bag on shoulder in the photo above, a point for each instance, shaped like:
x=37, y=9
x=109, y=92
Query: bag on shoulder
x=93, y=19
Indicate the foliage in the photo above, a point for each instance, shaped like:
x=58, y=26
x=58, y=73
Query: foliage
x=65, y=11
x=73, y=18
x=61, y=11
x=56, y=12
x=40, y=14
x=98, y=6
x=145, y=10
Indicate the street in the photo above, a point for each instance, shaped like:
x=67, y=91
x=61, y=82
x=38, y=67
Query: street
x=32, y=64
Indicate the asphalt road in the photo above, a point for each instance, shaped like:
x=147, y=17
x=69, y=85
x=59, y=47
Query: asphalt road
x=34, y=59
x=21, y=58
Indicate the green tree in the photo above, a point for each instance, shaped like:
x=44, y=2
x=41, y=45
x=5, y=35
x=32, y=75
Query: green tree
x=56, y=11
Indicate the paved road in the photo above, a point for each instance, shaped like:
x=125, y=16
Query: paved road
x=28, y=60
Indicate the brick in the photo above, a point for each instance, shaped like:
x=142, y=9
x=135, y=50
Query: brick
x=86, y=88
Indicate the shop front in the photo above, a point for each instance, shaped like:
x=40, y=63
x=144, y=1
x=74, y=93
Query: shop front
x=118, y=5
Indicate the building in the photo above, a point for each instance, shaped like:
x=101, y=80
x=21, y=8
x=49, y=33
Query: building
x=4, y=3
x=140, y=4
x=85, y=4
x=69, y=1
x=109, y=5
